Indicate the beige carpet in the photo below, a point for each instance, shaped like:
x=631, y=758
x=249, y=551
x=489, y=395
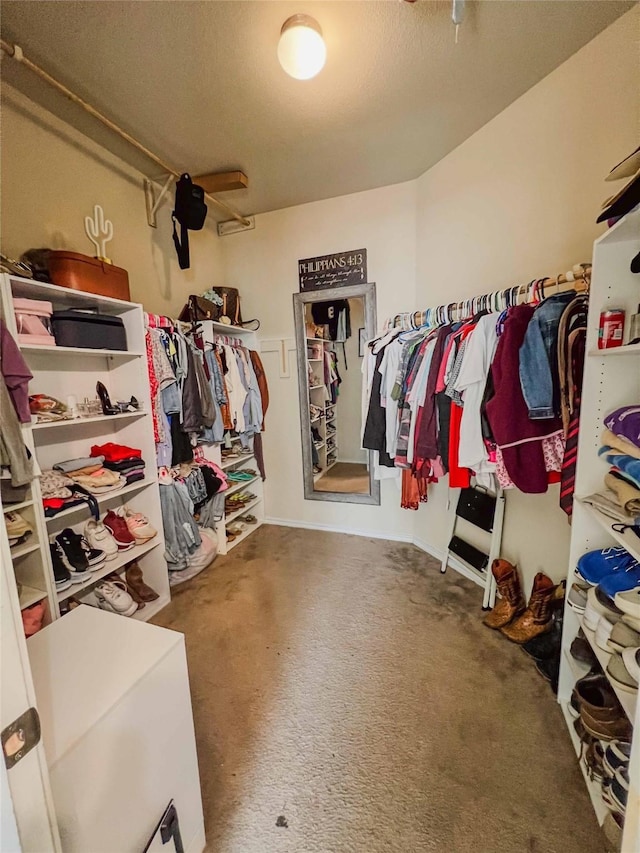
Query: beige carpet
x=345, y=477
x=346, y=685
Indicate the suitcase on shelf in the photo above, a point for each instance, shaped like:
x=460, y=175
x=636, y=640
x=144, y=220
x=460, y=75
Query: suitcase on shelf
x=91, y=275
x=88, y=330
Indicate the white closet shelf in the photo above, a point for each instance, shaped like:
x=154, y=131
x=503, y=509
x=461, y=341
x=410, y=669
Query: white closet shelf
x=151, y=608
x=239, y=486
x=594, y=788
x=237, y=461
x=321, y=340
x=627, y=349
x=16, y=507
x=25, y=549
x=29, y=289
x=75, y=422
x=626, y=699
x=628, y=540
x=250, y=528
x=578, y=669
x=84, y=351
x=127, y=490
x=317, y=387
x=123, y=558
x=238, y=512
x=29, y=596
x=315, y=360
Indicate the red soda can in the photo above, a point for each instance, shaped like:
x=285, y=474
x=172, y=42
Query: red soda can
x=611, y=328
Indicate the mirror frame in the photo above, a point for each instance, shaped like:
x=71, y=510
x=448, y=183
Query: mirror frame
x=300, y=300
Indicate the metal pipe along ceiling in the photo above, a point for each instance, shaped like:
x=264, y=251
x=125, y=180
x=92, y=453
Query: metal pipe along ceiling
x=15, y=52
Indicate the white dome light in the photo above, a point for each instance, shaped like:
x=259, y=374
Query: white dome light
x=301, y=49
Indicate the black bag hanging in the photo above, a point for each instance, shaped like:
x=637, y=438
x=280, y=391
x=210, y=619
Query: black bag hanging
x=190, y=211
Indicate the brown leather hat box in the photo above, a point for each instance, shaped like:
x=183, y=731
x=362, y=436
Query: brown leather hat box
x=80, y=272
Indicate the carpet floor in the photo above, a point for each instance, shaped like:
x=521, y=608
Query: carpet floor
x=346, y=690
x=346, y=478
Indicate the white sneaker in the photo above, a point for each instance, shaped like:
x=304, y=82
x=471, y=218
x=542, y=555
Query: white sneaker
x=99, y=537
x=629, y=602
x=113, y=596
x=603, y=633
x=138, y=524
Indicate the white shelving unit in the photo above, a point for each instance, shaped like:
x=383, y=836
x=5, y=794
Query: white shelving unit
x=325, y=423
x=60, y=372
x=611, y=379
x=243, y=461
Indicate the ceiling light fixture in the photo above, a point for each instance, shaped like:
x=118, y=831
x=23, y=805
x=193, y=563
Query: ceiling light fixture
x=301, y=49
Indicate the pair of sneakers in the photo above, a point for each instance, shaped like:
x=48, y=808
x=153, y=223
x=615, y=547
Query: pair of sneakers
x=73, y=558
x=129, y=528
x=612, y=569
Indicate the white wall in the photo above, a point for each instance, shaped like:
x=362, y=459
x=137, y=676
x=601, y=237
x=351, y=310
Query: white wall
x=52, y=176
x=519, y=200
x=349, y=421
x=263, y=263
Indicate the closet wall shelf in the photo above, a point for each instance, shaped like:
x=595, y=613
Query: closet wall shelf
x=627, y=349
x=151, y=608
x=250, y=529
x=100, y=353
x=238, y=461
x=238, y=487
x=627, y=700
x=594, y=788
x=29, y=596
x=17, y=507
x=628, y=539
x=238, y=512
x=125, y=416
x=63, y=296
x=120, y=562
x=127, y=490
x=23, y=550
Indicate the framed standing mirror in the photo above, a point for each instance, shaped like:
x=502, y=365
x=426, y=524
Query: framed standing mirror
x=330, y=324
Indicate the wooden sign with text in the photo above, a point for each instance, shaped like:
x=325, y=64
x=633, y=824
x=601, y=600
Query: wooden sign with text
x=336, y=270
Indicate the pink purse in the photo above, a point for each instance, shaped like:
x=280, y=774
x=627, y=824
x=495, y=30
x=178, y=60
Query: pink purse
x=33, y=321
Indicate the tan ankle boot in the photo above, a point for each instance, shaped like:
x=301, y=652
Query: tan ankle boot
x=537, y=618
x=512, y=601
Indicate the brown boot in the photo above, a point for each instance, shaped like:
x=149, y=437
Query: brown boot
x=512, y=601
x=138, y=589
x=537, y=618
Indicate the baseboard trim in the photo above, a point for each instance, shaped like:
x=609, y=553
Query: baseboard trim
x=452, y=563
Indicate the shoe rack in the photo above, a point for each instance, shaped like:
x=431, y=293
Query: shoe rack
x=64, y=371
x=611, y=379
x=326, y=422
x=240, y=461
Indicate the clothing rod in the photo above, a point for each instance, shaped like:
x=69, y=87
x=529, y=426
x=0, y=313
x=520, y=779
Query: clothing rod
x=15, y=52
x=578, y=279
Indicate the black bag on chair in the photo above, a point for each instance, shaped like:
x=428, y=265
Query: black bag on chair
x=190, y=211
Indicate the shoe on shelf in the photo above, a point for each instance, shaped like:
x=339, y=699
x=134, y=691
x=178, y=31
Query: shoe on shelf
x=17, y=528
x=593, y=761
x=136, y=585
x=596, y=565
x=96, y=557
x=616, y=755
x=598, y=605
x=623, y=637
x=581, y=650
x=615, y=727
x=621, y=581
x=511, y=603
x=114, y=578
x=620, y=675
x=113, y=596
x=594, y=693
x=603, y=633
x=61, y=573
x=118, y=528
x=139, y=526
x=619, y=789
x=71, y=544
x=107, y=407
x=631, y=660
x=537, y=618
x=577, y=598
x=100, y=538
x=33, y=617
x=249, y=519
x=629, y=602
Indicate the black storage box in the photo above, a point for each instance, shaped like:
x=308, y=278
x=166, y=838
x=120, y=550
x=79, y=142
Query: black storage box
x=89, y=330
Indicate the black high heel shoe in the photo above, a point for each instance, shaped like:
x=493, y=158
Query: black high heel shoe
x=107, y=408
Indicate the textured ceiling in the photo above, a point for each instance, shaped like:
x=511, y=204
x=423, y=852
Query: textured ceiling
x=200, y=84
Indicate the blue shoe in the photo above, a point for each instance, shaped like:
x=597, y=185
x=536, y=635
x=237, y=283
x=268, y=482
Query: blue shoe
x=621, y=581
x=596, y=565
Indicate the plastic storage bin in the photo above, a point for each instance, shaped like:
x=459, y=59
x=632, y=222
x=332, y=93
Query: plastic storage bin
x=33, y=321
x=88, y=330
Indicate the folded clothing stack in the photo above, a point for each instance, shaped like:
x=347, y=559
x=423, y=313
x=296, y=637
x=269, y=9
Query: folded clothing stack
x=91, y=474
x=620, y=499
x=127, y=462
x=60, y=492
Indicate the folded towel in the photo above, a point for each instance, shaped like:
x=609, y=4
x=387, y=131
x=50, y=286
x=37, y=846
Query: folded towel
x=629, y=466
x=620, y=444
x=627, y=494
x=625, y=422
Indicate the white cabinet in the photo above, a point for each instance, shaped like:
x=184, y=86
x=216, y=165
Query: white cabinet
x=121, y=750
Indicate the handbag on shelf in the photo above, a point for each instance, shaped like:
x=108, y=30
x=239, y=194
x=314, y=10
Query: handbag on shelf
x=198, y=308
x=230, y=304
